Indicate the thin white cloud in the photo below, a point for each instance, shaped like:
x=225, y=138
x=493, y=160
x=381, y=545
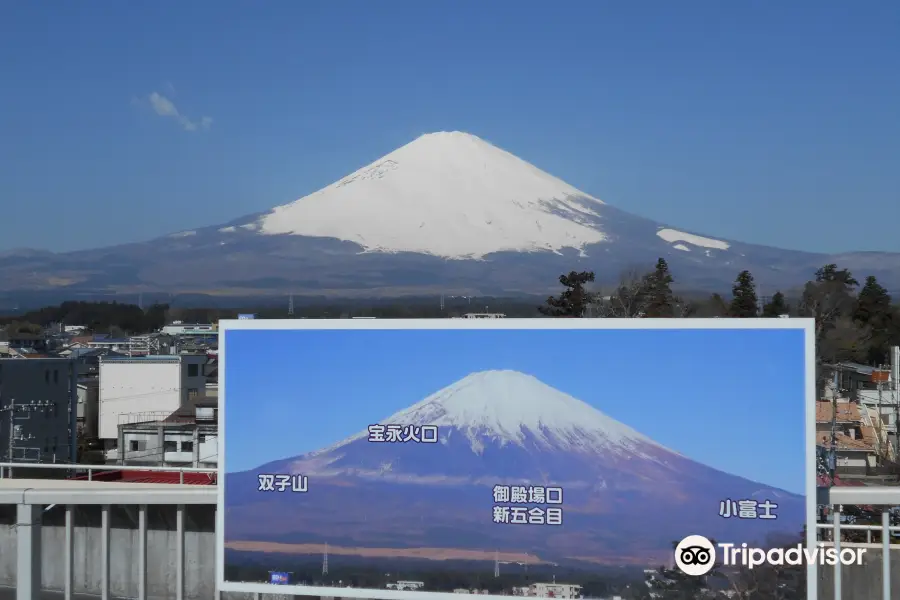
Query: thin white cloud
x=164, y=107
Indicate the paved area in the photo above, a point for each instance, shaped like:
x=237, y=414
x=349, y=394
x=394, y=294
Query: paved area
x=8, y=593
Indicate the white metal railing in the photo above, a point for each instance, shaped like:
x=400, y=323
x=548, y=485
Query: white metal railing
x=7, y=469
x=134, y=418
x=884, y=496
x=32, y=500
x=31, y=503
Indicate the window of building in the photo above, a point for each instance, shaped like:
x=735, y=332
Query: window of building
x=193, y=370
x=134, y=446
x=187, y=446
x=202, y=438
x=170, y=446
x=192, y=393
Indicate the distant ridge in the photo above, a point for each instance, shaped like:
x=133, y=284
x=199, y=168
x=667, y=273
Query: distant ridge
x=447, y=213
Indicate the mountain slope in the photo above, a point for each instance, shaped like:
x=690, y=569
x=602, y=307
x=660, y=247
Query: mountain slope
x=502, y=428
x=447, y=213
x=450, y=195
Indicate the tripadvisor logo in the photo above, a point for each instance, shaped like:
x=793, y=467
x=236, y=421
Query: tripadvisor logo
x=696, y=555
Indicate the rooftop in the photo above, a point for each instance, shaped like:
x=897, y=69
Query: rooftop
x=845, y=442
x=141, y=478
x=847, y=412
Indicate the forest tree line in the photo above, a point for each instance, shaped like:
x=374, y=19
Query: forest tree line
x=854, y=322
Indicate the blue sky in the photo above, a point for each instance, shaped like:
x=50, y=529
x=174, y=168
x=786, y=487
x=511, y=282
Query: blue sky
x=732, y=399
x=778, y=114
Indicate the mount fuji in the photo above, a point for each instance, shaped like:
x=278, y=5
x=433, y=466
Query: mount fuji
x=625, y=497
x=446, y=213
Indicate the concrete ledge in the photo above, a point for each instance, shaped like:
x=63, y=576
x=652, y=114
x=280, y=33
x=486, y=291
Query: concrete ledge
x=50, y=491
x=884, y=496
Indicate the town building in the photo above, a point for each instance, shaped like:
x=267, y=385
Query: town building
x=38, y=410
x=861, y=451
x=88, y=407
x=177, y=328
x=187, y=437
x=566, y=591
x=136, y=345
x=142, y=389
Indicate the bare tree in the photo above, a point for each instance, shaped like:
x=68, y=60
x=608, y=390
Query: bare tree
x=831, y=302
x=628, y=299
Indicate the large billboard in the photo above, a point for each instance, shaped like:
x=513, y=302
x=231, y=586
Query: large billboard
x=392, y=459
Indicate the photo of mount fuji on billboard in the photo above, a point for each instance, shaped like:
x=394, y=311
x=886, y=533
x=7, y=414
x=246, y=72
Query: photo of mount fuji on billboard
x=579, y=444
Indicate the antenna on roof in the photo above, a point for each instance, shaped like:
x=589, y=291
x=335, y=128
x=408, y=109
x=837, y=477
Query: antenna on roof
x=291, y=305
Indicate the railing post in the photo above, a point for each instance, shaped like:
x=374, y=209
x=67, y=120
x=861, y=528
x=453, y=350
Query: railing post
x=104, y=552
x=179, y=552
x=142, y=552
x=28, y=540
x=836, y=533
x=886, y=552
x=70, y=553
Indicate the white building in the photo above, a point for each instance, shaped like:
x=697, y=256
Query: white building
x=179, y=328
x=406, y=585
x=187, y=437
x=137, y=389
x=550, y=590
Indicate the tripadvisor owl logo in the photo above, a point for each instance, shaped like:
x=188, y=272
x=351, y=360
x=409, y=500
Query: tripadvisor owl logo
x=696, y=555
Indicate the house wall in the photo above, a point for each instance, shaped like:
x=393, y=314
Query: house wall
x=889, y=397
x=89, y=407
x=143, y=446
x=137, y=386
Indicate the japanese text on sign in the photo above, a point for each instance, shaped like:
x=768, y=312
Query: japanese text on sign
x=534, y=494
x=747, y=509
x=393, y=434
x=283, y=483
x=523, y=515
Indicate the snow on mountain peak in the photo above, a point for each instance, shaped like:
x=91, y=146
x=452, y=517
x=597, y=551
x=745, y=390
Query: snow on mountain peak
x=509, y=407
x=448, y=194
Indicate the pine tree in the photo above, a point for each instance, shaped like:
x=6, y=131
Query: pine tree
x=744, y=303
x=874, y=311
x=575, y=298
x=776, y=306
x=660, y=299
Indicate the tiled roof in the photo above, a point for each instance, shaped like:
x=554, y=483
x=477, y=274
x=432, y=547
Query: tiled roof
x=139, y=476
x=845, y=442
x=825, y=481
x=847, y=412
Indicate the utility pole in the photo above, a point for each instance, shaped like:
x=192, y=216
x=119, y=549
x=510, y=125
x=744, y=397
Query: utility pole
x=12, y=429
x=832, y=455
x=291, y=305
x=11, y=409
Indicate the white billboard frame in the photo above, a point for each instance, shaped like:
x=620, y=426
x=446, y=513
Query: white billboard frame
x=805, y=325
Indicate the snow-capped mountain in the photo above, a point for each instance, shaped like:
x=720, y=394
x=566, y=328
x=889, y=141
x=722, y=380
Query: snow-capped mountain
x=450, y=195
x=446, y=213
x=626, y=497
